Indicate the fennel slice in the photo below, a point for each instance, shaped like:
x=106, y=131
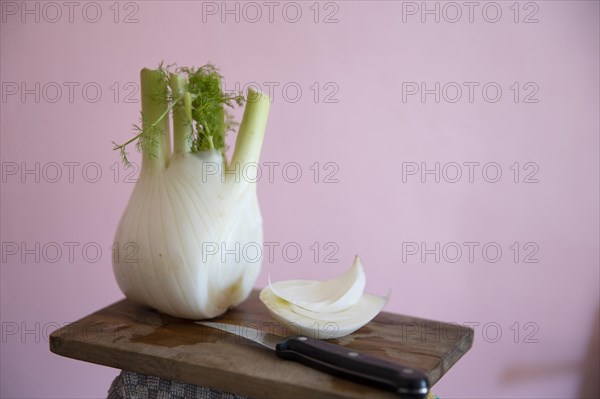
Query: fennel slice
x=322, y=325
x=333, y=295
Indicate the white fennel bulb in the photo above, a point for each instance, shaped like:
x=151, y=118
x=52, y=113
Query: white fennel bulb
x=191, y=205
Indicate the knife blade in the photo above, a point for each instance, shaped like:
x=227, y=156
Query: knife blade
x=337, y=360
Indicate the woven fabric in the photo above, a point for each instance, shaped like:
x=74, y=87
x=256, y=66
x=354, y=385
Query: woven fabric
x=131, y=385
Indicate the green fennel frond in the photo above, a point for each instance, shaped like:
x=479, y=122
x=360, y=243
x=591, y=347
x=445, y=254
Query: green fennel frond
x=206, y=103
x=212, y=121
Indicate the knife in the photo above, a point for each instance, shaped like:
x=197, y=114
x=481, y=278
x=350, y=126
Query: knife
x=338, y=361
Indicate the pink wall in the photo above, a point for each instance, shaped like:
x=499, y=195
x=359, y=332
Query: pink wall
x=367, y=60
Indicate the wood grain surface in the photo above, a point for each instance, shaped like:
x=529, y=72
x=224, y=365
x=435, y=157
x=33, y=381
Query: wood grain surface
x=133, y=337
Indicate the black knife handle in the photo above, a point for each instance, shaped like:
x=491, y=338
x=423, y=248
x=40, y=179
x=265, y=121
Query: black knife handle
x=346, y=363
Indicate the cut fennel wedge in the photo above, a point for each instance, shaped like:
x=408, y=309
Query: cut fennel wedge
x=323, y=309
x=332, y=295
x=300, y=321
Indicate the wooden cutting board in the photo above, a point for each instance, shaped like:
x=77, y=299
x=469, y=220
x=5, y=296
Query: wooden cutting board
x=133, y=337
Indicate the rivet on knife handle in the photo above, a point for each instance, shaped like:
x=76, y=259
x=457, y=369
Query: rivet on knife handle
x=345, y=363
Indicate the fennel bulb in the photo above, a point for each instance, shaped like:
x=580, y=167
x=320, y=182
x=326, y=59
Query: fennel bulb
x=191, y=196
